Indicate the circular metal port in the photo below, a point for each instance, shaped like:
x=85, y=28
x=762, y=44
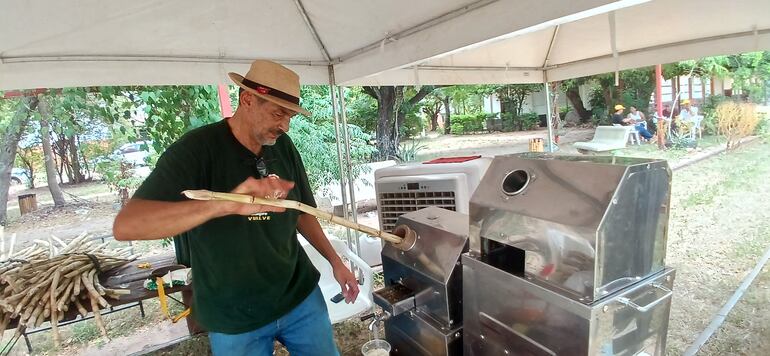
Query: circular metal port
x=409, y=237
x=515, y=182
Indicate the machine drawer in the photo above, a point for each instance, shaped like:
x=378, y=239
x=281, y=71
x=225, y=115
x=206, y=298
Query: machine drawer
x=524, y=318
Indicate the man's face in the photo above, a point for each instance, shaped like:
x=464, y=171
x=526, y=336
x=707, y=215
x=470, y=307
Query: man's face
x=267, y=120
x=633, y=109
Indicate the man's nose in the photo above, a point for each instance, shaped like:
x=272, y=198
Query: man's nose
x=285, y=125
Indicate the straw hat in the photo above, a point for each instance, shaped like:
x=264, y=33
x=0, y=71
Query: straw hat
x=620, y=107
x=685, y=101
x=272, y=82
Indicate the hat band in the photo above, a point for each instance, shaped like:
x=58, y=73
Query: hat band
x=266, y=90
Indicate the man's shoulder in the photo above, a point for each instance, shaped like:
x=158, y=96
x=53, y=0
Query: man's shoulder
x=207, y=131
x=199, y=138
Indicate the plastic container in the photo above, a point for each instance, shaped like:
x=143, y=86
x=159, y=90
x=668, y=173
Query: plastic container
x=376, y=347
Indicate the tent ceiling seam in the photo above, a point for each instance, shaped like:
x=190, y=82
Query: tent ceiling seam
x=313, y=31
x=662, y=46
x=550, y=46
x=415, y=29
x=135, y=58
x=475, y=68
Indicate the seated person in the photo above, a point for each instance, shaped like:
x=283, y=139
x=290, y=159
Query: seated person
x=688, y=111
x=618, y=119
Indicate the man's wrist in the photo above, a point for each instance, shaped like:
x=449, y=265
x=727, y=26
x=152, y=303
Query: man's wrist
x=218, y=209
x=337, y=262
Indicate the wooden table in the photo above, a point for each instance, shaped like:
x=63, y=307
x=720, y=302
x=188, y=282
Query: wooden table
x=131, y=277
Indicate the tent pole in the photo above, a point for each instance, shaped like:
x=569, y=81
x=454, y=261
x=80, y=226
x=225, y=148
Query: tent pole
x=349, y=168
x=548, y=118
x=224, y=101
x=340, y=162
x=658, y=90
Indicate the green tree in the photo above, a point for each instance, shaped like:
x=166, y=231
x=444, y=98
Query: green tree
x=317, y=141
x=572, y=91
x=394, y=103
x=635, y=87
x=45, y=116
x=512, y=98
x=14, y=116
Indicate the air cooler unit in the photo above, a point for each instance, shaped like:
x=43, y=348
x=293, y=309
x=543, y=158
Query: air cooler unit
x=410, y=187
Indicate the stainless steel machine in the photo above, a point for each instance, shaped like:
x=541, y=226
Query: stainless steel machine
x=423, y=283
x=567, y=257
x=561, y=255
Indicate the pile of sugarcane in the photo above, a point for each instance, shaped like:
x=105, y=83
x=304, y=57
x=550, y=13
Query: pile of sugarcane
x=43, y=281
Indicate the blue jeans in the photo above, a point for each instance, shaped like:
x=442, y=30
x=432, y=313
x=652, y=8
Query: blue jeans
x=306, y=330
x=643, y=131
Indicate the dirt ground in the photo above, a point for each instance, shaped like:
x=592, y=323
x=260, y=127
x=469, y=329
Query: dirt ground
x=495, y=143
x=719, y=228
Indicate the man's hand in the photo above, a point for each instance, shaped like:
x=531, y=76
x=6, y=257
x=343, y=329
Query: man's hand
x=347, y=282
x=274, y=188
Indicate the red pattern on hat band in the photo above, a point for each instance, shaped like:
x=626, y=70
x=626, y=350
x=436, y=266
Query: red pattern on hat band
x=266, y=90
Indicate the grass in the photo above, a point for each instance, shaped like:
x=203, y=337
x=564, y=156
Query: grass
x=733, y=177
x=77, y=335
x=672, y=154
x=720, y=225
x=746, y=330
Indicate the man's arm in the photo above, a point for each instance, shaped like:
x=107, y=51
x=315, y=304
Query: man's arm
x=144, y=219
x=309, y=227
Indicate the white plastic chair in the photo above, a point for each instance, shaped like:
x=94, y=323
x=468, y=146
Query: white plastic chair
x=696, y=129
x=329, y=287
x=633, y=134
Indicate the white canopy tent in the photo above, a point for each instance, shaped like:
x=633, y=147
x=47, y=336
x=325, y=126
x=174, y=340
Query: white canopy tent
x=649, y=33
x=654, y=32
x=353, y=42
x=144, y=42
x=54, y=44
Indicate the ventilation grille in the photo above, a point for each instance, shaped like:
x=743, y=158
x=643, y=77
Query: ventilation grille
x=393, y=205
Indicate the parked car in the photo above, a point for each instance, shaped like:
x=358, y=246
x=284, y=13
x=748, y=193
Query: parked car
x=19, y=176
x=135, y=153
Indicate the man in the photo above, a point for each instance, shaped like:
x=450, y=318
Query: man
x=253, y=283
x=617, y=117
x=685, y=113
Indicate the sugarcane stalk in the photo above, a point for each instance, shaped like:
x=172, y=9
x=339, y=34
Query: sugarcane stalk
x=4, y=323
x=291, y=204
x=98, y=316
x=59, y=241
x=82, y=310
x=88, y=282
x=54, y=317
x=2, y=243
x=44, y=279
x=10, y=247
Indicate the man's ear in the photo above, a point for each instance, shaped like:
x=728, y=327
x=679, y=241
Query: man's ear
x=245, y=98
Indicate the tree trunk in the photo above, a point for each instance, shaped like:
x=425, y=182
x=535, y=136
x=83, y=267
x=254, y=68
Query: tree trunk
x=432, y=112
x=386, y=123
x=447, y=117
x=50, y=165
x=75, y=160
x=573, y=95
x=60, y=150
x=9, y=138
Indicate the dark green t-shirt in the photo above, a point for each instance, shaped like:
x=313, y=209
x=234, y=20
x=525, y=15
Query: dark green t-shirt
x=247, y=270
